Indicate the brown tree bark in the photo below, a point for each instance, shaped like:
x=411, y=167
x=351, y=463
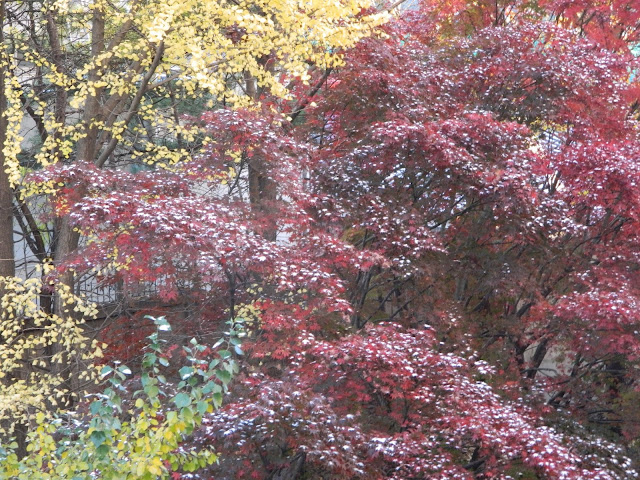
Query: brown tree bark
x=7, y=256
x=262, y=189
x=7, y=260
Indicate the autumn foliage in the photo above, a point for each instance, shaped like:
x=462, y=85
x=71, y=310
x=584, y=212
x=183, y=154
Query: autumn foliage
x=433, y=251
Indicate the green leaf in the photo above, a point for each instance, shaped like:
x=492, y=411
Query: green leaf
x=231, y=366
x=182, y=400
x=153, y=339
x=210, y=387
x=97, y=437
x=116, y=400
x=162, y=324
x=201, y=407
x=152, y=391
x=145, y=379
x=149, y=360
x=190, y=466
x=187, y=414
x=96, y=407
x=224, y=376
x=185, y=372
x=103, y=451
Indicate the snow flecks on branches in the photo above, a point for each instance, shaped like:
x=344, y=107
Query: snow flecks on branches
x=399, y=409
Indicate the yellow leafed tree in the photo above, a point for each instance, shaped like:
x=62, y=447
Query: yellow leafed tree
x=33, y=375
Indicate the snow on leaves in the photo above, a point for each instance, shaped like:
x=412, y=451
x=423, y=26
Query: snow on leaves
x=399, y=409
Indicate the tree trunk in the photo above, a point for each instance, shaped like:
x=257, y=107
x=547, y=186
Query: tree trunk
x=7, y=260
x=262, y=189
x=60, y=111
x=66, y=239
x=66, y=243
x=87, y=146
x=7, y=257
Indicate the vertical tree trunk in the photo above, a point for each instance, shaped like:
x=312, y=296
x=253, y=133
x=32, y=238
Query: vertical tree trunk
x=262, y=189
x=60, y=111
x=66, y=238
x=7, y=257
x=7, y=260
x=87, y=146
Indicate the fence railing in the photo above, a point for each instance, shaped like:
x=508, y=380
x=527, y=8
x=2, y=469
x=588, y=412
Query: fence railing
x=102, y=290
